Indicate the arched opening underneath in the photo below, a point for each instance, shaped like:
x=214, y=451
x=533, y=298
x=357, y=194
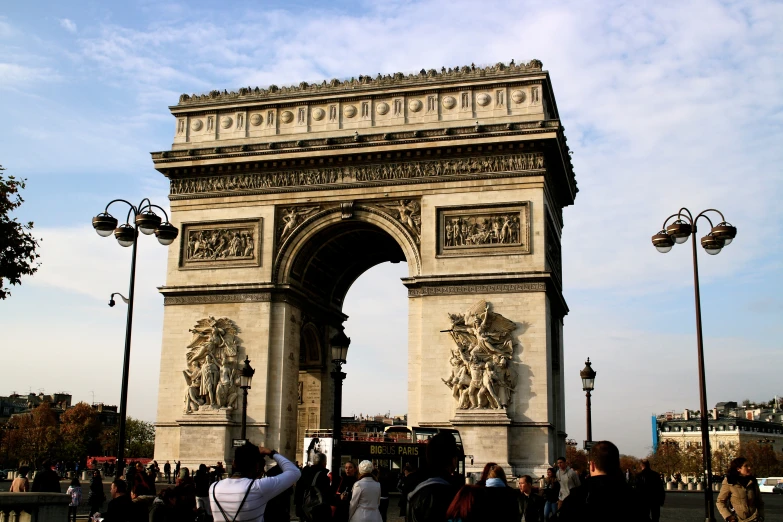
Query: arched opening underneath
x=334, y=257
x=364, y=258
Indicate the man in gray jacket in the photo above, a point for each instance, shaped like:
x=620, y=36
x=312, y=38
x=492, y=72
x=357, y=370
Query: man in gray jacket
x=568, y=480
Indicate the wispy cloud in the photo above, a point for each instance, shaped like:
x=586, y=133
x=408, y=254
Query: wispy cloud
x=68, y=25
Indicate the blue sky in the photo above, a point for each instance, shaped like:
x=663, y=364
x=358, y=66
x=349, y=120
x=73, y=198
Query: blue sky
x=665, y=105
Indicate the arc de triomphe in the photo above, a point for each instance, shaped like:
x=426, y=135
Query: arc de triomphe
x=285, y=195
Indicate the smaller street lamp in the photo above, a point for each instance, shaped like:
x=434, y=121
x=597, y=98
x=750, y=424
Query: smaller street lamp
x=339, y=345
x=245, y=379
x=112, y=302
x=588, y=384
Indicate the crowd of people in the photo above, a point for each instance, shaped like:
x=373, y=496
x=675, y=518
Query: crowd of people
x=261, y=490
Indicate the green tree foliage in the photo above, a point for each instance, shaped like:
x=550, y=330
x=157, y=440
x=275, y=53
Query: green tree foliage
x=17, y=244
x=139, y=439
x=79, y=432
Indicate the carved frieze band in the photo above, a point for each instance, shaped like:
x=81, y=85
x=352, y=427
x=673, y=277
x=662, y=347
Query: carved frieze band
x=261, y=297
x=503, y=288
x=479, y=230
x=379, y=172
x=220, y=244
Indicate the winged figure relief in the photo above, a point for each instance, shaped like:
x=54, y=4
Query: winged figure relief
x=215, y=337
x=408, y=212
x=292, y=217
x=481, y=375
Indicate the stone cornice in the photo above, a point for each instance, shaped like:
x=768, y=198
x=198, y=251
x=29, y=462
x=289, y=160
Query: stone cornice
x=365, y=84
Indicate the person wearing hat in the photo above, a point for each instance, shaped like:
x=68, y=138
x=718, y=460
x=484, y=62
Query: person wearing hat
x=365, y=496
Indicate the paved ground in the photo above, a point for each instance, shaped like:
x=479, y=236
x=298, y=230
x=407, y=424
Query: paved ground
x=680, y=507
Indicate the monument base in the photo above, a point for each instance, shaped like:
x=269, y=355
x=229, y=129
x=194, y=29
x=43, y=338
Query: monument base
x=205, y=437
x=485, y=438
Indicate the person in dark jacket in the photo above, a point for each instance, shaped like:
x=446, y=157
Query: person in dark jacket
x=429, y=501
x=202, y=483
x=167, y=472
x=46, y=480
x=604, y=496
x=411, y=477
x=650, y=492
x=97, y=497
x=120, y=508
x=550, y=491
x=279, y=508
x=531, y=506
x=314, y=475
x=343, y=486
x=162, y=509
x=496, y=500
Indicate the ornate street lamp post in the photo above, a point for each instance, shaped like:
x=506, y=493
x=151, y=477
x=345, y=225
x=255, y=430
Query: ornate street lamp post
x=340, y=344
x=147, y=222
x=719, y=236
x=245, y=379
x=588, y=383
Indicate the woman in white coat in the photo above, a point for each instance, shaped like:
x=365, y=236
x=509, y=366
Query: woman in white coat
x=365, y=496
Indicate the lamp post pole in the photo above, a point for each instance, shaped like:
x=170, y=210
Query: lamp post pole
x=340, y=344
x=126, y=360
x=145, y=221
x=243, y=436
x=245, y=380
x=720, y=235
x=588, y=385
x=338, y=375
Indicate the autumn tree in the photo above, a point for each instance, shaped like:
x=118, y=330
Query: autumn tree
x=666, y=459
x=577, y=459
x=17, y=245
x=762, y=457
x=36, y=436
x=79, y=432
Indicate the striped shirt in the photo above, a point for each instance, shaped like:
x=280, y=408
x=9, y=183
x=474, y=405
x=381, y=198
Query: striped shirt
x=230, y=492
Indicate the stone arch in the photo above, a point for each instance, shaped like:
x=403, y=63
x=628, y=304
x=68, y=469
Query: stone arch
x=310, y=350
x=328, y=252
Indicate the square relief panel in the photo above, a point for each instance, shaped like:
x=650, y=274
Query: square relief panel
x=220, y=244
x=484, y=230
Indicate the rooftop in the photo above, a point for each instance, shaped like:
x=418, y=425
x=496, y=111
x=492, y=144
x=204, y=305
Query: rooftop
x=363, y=83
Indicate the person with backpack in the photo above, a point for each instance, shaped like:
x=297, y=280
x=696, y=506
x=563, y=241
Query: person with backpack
x=430, y=500
x=242, y=497
x=313, y=492
x=75, y=492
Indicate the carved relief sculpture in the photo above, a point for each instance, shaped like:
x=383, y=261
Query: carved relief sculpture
x=472, y=230
x=407, y=212
x=481, y=377
x=220, y=244
x=292, y=217
x=359, y=173
x=211, y=376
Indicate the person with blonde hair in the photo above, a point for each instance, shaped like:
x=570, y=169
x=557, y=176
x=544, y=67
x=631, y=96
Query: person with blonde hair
x=365, y=496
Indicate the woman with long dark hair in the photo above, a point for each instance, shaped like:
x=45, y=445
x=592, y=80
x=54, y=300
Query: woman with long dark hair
x=550, y=491
x=740, y=492
x=96, y=497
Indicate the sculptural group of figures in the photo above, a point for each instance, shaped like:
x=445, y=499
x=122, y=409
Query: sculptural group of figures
x=500, y=229
x=358, y=173
x=481, y=376
x=220, y=243
x=211, y=377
